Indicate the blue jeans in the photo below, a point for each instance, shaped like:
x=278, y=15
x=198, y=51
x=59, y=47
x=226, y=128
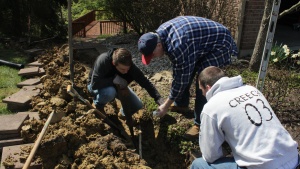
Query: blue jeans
x=108, y=94
x=200, y=100
x=222, y=163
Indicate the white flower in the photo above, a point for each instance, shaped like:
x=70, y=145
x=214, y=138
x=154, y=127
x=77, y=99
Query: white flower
x=294, y=55
x=275, y=60
x=273, y=53
x=287, y=51
x=298, y=62
x=285, y=47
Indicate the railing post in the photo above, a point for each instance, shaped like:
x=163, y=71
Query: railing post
x=84, y=32
x=100, y=27
x=124, y=27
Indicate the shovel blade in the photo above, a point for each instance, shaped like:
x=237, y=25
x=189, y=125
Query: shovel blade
x=57, y=117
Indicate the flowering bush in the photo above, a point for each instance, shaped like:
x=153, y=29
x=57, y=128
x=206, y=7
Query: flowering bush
x=283, y=56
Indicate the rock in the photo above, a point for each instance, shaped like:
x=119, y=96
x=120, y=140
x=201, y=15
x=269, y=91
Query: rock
x=58, y=102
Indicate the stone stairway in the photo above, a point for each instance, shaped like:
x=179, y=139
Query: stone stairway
x=11, y=141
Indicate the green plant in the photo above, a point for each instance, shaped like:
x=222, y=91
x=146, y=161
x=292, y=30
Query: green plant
x=185, y=146
x=149, y=104
x=282, y=56
x=175, y=133
x=8, y=80
x=104, y=36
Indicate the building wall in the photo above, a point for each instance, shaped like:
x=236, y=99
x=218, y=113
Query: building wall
x=253, y=13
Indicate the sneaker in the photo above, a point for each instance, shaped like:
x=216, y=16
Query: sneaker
x=192, y=133
x=179, y=109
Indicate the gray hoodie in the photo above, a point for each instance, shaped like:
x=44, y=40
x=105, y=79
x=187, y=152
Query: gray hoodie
x=240, y=115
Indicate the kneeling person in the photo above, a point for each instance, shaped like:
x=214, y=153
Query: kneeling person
x=109, y=79
x=240, y=115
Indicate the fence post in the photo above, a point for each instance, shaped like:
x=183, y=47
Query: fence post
x=100, y=27
x=84, y=32
x=124, y=27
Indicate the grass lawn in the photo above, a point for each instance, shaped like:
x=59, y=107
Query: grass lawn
x=9, y=77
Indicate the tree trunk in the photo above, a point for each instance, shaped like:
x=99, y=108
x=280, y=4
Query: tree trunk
x=261, y=38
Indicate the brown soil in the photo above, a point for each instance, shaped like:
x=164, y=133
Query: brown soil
x=84, y=141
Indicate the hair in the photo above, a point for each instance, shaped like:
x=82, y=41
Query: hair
x=210, y=75
x=122, y=56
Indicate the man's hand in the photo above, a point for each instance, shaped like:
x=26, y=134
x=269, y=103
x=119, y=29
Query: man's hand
x=119, y=81
x=160, y=101
x=163, y=108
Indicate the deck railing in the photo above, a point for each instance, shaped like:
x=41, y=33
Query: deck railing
x=81, y=25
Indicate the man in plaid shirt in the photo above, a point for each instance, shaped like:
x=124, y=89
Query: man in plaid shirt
x=192, y=44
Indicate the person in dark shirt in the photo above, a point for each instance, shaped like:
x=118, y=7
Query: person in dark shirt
x=111, y=73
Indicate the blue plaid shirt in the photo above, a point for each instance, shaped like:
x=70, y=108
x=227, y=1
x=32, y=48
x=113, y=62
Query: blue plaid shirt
x=194, y=43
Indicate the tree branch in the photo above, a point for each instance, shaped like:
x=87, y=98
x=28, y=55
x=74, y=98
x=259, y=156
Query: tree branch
x=287, y=11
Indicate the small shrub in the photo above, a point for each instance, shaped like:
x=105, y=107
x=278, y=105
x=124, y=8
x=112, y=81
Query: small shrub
x=149, y=104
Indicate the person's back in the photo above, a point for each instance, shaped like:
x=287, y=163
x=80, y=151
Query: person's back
x=246, y=121
x=183, y=30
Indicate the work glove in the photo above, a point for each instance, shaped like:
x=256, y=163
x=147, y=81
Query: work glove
x=160, y=101
x=120, y=82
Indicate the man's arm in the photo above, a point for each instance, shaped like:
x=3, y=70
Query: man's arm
x=163, y=109
x=140, y=78
x=184, y=60
x=210, y=139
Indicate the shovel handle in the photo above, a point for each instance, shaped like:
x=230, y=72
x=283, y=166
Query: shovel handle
x=74, y=93
x=37, y=142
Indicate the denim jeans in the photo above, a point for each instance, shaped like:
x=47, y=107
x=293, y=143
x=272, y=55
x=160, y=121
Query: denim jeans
x=200, y=100
x=222, y=163
x=108, y=94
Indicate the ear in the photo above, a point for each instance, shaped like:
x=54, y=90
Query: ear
x=208, y=87
x=113, y=63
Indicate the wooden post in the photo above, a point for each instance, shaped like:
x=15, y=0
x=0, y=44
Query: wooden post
x=100, y=27
x=124, y=27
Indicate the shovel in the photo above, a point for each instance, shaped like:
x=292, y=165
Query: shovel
x=74, y=93
x=53, y=118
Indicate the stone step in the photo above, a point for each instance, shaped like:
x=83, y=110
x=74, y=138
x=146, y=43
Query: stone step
x=29, y=82
x=12, y=123
x=31, y=71
x=10, y=142
x=32, y=115
x=34, y=51
x=9, y=136
x=35, y=64
x=14, y=152
x=20, y=101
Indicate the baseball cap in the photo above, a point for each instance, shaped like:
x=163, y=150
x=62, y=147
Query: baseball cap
x=146, y=45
